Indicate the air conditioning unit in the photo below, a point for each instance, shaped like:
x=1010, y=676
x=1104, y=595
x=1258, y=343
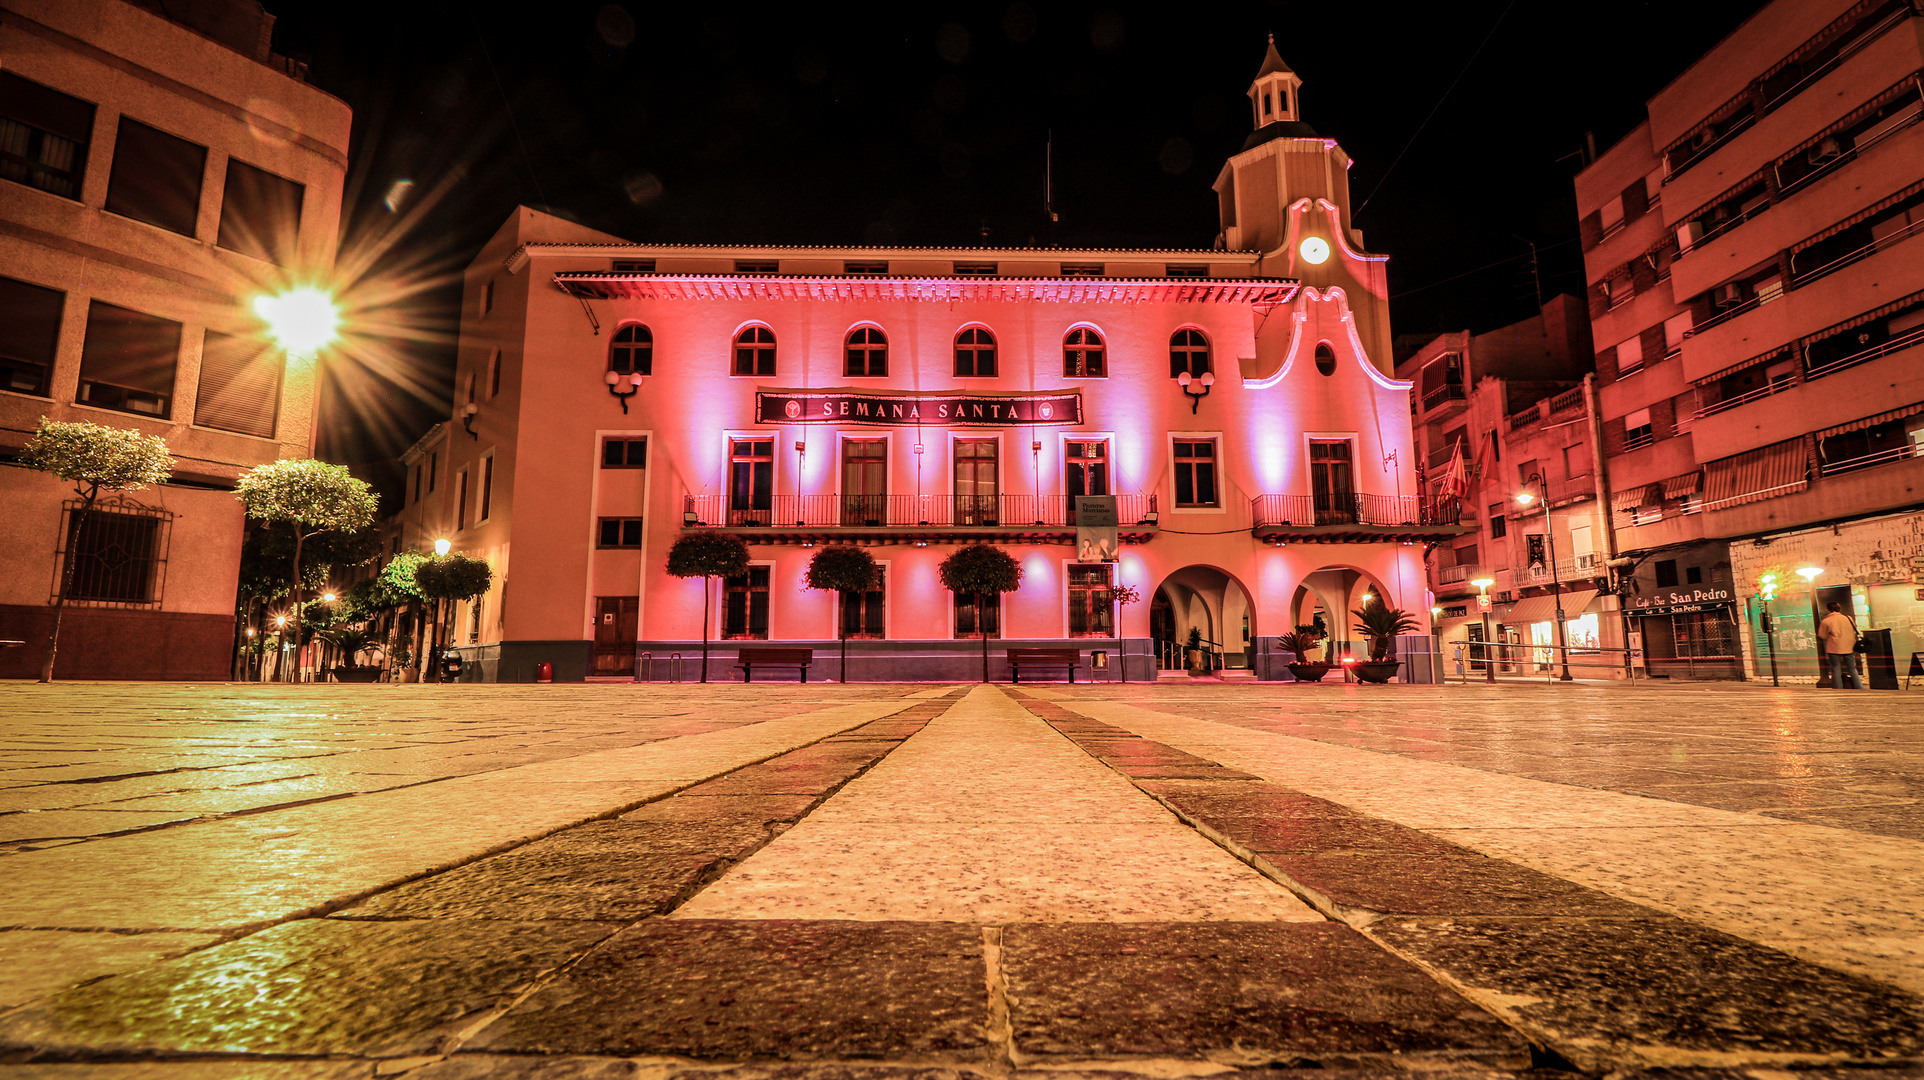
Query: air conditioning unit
x=1688, y=234
x=1727, y=295
x=1718, y=214
x=1826, y=150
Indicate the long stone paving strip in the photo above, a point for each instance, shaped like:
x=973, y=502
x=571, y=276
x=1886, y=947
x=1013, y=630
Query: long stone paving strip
x=242, y=871
x=1849, y=900
x=989, y=816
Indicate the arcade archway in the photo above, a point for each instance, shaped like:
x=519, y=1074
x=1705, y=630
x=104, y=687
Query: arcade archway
x=1331, y=593
x=1214, y=603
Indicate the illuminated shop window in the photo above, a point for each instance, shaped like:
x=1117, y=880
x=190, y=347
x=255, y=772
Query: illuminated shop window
x=975, y=354
x=631, y=352
x=755, y=351
x=1196, y=472
x=1188, y=352
x=868, y=353
x=1082, y=355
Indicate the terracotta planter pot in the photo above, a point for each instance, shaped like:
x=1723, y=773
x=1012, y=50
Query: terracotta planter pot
x=1376, y=671
x=1309, y=671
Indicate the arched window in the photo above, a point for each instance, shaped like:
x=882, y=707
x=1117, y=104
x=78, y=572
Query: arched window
x=1188, y=351
x=755, y=351
x=975, y=354
x=1082, y=355
x=632, y=352
x=1325, y=358
x=868, y=353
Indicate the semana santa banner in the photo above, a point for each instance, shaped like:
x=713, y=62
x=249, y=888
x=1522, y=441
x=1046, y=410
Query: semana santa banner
x=821, y=407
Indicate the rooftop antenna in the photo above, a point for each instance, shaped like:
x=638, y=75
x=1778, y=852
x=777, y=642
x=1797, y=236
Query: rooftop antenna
x=1049, y=177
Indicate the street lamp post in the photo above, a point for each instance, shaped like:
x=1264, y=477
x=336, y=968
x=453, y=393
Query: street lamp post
x=1489, y=647
x=1556, y=583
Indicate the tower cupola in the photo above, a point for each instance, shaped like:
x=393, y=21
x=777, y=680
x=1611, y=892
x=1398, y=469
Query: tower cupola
x=1273, y=94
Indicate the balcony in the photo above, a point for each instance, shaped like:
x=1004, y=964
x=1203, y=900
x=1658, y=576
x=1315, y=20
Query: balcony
x=795, y=519
x=1580, y=568
x=1442, y=396
x=1353, y=519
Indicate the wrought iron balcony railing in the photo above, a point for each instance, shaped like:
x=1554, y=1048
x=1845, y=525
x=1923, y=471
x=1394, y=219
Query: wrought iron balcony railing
x=1326, y=509
x=904, y=511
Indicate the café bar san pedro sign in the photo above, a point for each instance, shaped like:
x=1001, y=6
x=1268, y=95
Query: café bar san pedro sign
x=837, y=406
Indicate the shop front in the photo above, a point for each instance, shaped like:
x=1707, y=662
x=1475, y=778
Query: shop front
x=1685, y=634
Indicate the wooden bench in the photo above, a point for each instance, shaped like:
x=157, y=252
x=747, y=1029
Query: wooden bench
x=749, y=659
x=1034, y=658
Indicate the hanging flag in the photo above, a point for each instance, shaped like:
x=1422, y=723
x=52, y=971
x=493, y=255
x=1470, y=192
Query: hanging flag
x=1456, y=478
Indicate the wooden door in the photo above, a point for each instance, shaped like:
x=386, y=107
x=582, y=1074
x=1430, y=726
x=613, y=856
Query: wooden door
x=975, y=483
x=617, y=620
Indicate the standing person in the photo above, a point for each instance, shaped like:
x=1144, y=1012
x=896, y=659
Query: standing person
x=1838, y=633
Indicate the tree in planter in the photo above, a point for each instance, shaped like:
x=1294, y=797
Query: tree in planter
x=707, y=554
x=1380, y=623
x=397, y=580
x=448, y=578
x=312, y=497
x=980, y=570
x=92, y=458
x=845, y=569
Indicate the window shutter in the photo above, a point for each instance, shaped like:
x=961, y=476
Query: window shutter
x=1636, y=199
x=1652, y=342
x=240, y=385
x=1591, y=229
x=1629, y=354
x=1599, y=299
x=1607, y=361
x=156, y=177
x=260, y=213
x=1643, y=275
x=126, y=348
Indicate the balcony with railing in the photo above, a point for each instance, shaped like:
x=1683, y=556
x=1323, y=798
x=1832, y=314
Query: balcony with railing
x=1577, y=569
x=1352, y=518
x=783, y=519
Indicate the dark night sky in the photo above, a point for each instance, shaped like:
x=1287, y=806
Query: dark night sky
x=925, y=124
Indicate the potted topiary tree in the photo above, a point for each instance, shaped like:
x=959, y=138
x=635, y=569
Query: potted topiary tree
x=1379, y=624
x=845, y=569
x=1195, y=654
x=445, y=579
x=352, y=641
x=1303, y=641
x=979, y=570
x=706, y=554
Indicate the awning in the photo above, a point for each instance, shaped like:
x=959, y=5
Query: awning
x=1720, y=374
x=1642, y=495
x=1689, y=483
x=1763, y=473
x=1873, y=421
x=1536, y=609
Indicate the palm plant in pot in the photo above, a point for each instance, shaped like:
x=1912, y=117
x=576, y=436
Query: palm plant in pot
x=1303, y=641
x=1379, y=624
x=352, y=641
x=1195, y=654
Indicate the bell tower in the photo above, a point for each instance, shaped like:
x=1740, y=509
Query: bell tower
x=1273, y=94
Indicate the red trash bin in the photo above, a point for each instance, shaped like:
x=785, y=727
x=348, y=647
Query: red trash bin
x=544, y=672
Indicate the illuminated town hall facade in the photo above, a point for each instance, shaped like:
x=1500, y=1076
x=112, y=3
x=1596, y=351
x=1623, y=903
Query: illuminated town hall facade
x=1235, y=401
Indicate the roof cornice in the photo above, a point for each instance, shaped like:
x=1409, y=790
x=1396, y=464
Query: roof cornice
x=609, y=286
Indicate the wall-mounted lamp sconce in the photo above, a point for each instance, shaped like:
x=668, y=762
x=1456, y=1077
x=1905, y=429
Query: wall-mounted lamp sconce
x=1195, y=396
x=468, y=412
x=616, y=380
x=921, y=543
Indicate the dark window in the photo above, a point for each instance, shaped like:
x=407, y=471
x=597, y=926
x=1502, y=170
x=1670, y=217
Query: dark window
x=487, y=297
x=1326, y=358
x=487, y=488
x=975, y=354
x=1195, y=473
x=240, y=385
x=1082, y=355
x=494, y=374
x=624, y=453
x=864, y=481
x=156, y=177
x=965, y=615
x=756, y=266
x=755, y=351
x=1186, y=271
x=1188, y=351
x=434, y=470
x=864, y=613
x=461, y=500
x=29, y=331
x=868, y=353
x=1873, y=445
x=1087, y=469
x=975, y=482
x=751, y=481
x=634, y=266
x=127, y=361
x=115, y=557
x=1499, y=525
x=975, y=269
x=44, y=136
x=620, y=532
x=260, y=214
x=632, y=351
x=1666, y=572
x=1092, y=605
x=1081, y=269
x=865, y=268
x=1693, y=575
x=1330, y=484
x=417, y=483
x=745, y=605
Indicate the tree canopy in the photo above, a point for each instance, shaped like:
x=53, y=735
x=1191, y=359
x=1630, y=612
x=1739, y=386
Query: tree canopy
x=980, y=568
x=312, y=495
x=94, y=457
x=708, y=554
x=453, y=577
x=841, y=568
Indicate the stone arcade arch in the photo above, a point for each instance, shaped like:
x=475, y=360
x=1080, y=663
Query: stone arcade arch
x=1336, y=591
x=1211, y=600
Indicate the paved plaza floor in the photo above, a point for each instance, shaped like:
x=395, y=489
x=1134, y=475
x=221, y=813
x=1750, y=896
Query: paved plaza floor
x=902, y=882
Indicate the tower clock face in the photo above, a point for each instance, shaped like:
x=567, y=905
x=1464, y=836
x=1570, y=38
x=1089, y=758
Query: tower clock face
x=1315, y=250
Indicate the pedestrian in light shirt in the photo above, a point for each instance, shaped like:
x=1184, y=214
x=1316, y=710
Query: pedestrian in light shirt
x=1838, y=633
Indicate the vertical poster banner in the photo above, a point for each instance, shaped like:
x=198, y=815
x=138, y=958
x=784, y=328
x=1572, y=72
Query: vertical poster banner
x=1096, y=539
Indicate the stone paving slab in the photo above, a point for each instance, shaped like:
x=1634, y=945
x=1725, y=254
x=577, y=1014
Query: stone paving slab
x=736, y=990
x=314, y=987
x=1663, y=992
x=1237, y=994
x=34, y=963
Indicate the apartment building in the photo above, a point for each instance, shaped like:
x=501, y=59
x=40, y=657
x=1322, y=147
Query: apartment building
x=1499, y=416
x=1756, y=292
x=160, y=168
